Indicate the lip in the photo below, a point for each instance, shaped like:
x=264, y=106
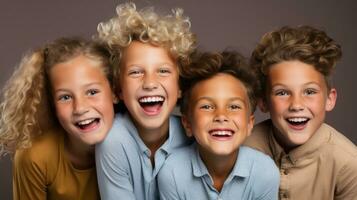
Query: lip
x=297, y=126
x=151, y=105
x=221, y=134
x=88, y=124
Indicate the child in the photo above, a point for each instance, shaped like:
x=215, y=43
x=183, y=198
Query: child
x=150, y=50
x=315, y=160
x=72, y=76
x=218, y=106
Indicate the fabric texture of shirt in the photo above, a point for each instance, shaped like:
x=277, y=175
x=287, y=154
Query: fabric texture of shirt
x=184, y=176
x=324, y=168
x=43, y=171
x=123, y=160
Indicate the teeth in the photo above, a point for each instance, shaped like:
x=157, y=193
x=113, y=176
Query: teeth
x=85, y=122
x=151, y=99
x=298, y=119
x=220, y=133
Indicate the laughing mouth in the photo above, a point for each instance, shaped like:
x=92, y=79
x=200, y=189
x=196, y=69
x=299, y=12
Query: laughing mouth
x=297, y=121
x=88, y=123
x=151, y=104
x=221, y=133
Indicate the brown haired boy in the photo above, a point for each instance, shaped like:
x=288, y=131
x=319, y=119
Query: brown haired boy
x=316, y=161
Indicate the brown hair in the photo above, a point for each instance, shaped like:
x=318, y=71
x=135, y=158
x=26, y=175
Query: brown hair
x=207, y=65
x=303, y=43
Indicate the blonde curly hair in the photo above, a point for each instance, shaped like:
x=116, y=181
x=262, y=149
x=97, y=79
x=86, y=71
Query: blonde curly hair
x=26, y=108
x=171, y=32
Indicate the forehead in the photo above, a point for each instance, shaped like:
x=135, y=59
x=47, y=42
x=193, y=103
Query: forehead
x=220, y=86
x=77, y=69
x=138, y=52
x=294, y=73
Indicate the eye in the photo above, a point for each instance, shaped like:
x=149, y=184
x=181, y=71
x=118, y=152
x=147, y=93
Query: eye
x=281, y=93
x=235, y=107
x=64, y=97
x=206, y=107
x=92, y=92
x=310, y=91
x=135, y=73
x=164, y=71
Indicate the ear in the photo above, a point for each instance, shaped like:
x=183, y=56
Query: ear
x=262, y=104
x=179, y=93
x=251, y=121
x=331, y=99
x=187, y=125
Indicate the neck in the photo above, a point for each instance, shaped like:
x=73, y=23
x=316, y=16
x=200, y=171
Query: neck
x=278, y=137
x=81, y=155
x=219, y=167
x=154, y=138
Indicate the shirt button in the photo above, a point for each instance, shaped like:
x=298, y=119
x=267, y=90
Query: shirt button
x=285, y=195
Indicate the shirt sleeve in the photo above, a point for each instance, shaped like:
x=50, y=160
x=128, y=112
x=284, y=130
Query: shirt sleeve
x=113, y=172
x=346, y=186
x=29, y=176
x=167, y=184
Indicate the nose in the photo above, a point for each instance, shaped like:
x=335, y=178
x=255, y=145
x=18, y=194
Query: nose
x=150, y=82
x=80, y=106
x=220, y=116
x=296, y=103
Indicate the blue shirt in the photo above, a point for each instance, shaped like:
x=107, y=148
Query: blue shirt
x=185, y=176
x=123, y=160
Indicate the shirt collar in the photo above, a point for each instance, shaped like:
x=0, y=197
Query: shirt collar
x=304, y=151
x=175, y=130
x=241, y=168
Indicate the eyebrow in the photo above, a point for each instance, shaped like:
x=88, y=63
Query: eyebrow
x=84, y=86
x=211, y=99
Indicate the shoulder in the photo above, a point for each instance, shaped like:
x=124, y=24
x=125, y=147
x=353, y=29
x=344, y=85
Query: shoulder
x=259, y=139
x=263, y=167
x=340, y=142
x=178, y=162
x=45, y=148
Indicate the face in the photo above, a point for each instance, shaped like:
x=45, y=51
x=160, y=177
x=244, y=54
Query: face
x=297, y=99
x=83, y=99
x=219, y=115
x=149, y=85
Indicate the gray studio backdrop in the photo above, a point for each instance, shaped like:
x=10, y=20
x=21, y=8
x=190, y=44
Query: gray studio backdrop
x=217, y=23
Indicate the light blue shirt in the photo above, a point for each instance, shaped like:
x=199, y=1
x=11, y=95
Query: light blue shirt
x=185, y=176
x=123, y=160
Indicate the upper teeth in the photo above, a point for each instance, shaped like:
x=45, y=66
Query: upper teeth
x=151, y=99
x=229, y=133
x=297, y=119
x=85, y=122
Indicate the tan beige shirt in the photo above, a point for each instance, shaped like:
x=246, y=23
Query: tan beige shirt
x=44, y=172
x=324, y=168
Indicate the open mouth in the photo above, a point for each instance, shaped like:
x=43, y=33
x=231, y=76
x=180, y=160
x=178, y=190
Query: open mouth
x=87, y=124
x=221, y=134
x=297, y=121
x=151, y=104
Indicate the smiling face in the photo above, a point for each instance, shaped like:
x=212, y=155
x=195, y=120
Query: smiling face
x=297, y=99
x=149, y=85
x=83, y=99
x=219, y=115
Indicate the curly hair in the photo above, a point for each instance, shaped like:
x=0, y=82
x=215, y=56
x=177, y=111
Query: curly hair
x=303, y=43
x=207, y=65
x=169, y=31
x=26, y=108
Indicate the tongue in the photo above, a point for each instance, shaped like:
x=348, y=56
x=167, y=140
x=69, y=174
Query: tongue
x=88, y=126
x=151, y=108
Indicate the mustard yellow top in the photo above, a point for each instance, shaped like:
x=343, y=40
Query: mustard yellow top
x=44, y=172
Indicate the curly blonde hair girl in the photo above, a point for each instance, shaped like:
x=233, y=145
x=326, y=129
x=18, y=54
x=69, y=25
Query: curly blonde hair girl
x=26, y=108
x=171, y=32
